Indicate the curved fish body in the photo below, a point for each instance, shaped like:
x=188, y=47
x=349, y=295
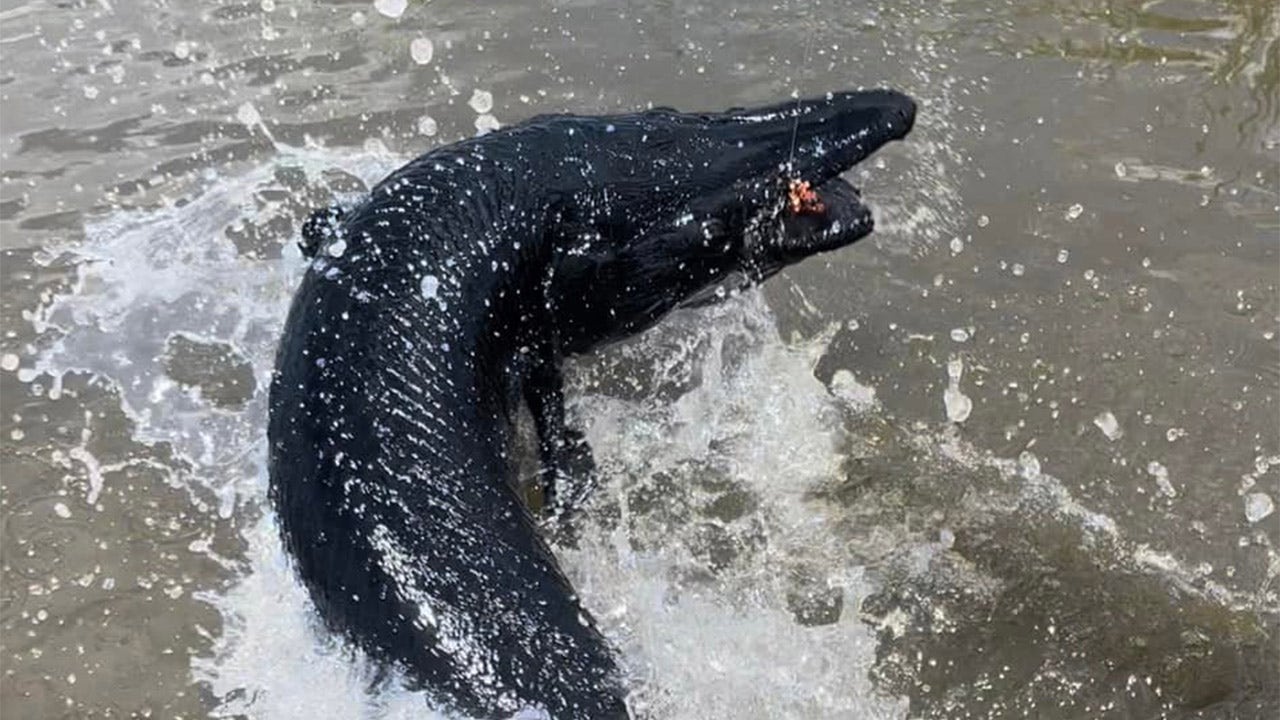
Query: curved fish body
x=448, y=297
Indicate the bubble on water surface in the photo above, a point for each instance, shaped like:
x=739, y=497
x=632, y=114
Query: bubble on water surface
x=481, y=101
x=1110, y=427
x=391, y=8
x=1258, y=506
x=422, y=50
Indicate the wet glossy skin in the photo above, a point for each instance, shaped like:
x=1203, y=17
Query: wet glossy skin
x=448, y=297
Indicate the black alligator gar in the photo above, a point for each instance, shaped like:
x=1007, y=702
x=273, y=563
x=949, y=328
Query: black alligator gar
x=449, y=296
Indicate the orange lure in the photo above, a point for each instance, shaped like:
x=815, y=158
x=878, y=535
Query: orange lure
x=803, y=199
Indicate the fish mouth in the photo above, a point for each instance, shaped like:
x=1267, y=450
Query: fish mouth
x=820, y=210
x=774, y=172
x=836, y=217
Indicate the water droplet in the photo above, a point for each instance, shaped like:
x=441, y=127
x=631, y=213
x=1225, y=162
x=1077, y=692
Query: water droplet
x=486, y=124
x=248, y=114
x=957, y=404
x=61, y=510
x=957, y=245
x=1121, y=170
x=1258, y=506
x=1074, y=212
x=182, y=50
x=983, y=221
x=960, y=335
x=481, y=101
x=1109, y=426
x=338, y=247
x=422, y=50
x=391, y=8
x=1161, y=474
x=1029, y=465
x=427, y=126
x=1063, y=255
x=9, y=362
x=430, y=286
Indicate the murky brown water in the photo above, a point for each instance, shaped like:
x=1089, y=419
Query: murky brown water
x=1016, y=456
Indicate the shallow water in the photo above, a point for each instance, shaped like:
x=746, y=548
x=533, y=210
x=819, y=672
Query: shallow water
x=1014, y=455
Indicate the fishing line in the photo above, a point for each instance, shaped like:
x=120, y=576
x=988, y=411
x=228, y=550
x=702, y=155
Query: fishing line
x=795, y=129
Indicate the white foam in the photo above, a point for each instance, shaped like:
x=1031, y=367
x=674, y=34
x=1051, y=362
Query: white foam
x=272, y=661
x=767, y=425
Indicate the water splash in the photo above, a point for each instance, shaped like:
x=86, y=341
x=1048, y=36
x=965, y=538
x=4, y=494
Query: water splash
x=752, y=436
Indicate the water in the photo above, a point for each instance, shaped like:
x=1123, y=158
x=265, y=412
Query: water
x=1016, y=454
